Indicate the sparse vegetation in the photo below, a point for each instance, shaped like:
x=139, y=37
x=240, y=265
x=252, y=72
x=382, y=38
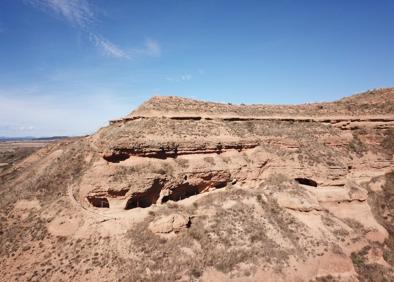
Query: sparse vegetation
x=184, y=163
x=369, y=271
x=238, y=230
x=220, y=246
x=356, y=145
x=388, y=141
x=327, y=278
x=209, y=160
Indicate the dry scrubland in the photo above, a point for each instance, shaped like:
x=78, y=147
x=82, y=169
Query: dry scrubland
x=13, y=151
x=183, y=190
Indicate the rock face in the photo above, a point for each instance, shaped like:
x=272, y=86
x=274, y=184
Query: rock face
x=190, y=147
x=172, y=223
x=273, y=192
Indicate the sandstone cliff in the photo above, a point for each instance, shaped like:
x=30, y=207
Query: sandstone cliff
x=189, y=190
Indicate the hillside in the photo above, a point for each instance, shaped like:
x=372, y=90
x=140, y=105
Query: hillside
x=186, y=190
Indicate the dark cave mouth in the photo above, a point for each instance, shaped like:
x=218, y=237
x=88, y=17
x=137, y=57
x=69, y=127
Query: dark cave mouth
x=153, y=195
x=178, y=193
x=98, y=202
x=140, y=201
x=182, y=192
x=145, y=200
x=306, y=181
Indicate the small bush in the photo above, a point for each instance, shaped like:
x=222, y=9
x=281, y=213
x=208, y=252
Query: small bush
x=209, y=160
x=184, y=163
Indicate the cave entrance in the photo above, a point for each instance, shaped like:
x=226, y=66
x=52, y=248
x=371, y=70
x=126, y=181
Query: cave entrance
x=147, y=198
x=186, y=190
x=116, y=158
x=178, y=193
x=99, y=202
x=306, y=181
x=181, y=192
x=140, y=201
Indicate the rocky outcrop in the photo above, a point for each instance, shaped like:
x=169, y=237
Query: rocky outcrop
x=172, y=151
x=296, y=188
x=233, y=147
x=170, y=224
x=159, y=189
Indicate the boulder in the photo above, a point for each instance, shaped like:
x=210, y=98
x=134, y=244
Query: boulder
x=171, y=223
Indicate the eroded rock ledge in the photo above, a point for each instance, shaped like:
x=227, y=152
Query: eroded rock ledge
x=328, y=119
x=172, y=151
x=160, y=189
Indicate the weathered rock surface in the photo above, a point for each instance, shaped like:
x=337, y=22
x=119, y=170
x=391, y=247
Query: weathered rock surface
x=168, y=224
x=275, y=192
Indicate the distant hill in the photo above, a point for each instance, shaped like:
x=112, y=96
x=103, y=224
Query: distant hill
x=30, y=138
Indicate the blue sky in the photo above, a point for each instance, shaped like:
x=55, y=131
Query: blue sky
x=68, y=66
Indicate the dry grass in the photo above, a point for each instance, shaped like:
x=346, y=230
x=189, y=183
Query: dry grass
x=388, y=141
x=382, y=203
x=183, y=163
x=209, y=160
x=356, y=145
x=327, y=278
x=369, y=271
x=223, y=240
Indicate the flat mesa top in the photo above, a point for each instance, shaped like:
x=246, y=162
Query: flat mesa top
x=379, y=102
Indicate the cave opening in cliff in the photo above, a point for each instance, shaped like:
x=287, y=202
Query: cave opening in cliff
x=181, y=192
x=306, y=181
x=186, y=190
x=147, y=198
x=98, y=202
x=116, y=158
x=143, y=201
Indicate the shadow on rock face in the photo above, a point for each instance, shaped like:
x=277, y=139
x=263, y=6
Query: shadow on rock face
x=306, y=181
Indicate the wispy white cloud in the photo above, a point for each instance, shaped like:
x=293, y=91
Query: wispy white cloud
x=109, y=48
x=151, y=48
x=77, y=12
x=26, y=128
x=186, y=77
x=201, y=71
x=80, y=14
x=180, y=78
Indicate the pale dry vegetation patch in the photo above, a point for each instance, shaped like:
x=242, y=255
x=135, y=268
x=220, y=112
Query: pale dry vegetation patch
x=222, y=239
